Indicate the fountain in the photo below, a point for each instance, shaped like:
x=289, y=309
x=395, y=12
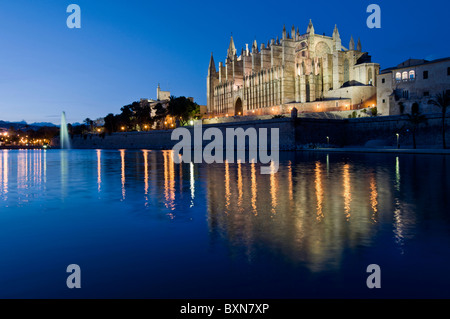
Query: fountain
x=64, y=133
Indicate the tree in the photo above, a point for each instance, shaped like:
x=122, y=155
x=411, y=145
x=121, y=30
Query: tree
x=110, y=123
x=442, y=100
x=183, y=109
x=415, y=119
x=126, y=117
x=143, y=115
x=89, y=123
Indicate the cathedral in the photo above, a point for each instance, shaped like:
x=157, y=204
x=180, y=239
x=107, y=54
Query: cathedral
x=311, y=72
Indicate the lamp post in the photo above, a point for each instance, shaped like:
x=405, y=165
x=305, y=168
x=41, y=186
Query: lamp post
x=328, y=141
x=398, y=145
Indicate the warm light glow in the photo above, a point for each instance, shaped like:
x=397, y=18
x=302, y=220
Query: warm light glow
x=145, y=171
x=319, y=190
x=239, y=183
x=99, y=170
x=347, y=194
x=123, y=128
x=169, y=180
x=122, y=170
x=373, y=197
x=227, y=186
x=273, y=188
x=254, y=189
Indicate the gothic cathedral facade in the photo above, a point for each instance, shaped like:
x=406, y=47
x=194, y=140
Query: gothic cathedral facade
x=312, y=72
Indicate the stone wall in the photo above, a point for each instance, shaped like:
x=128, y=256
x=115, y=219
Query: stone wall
x=377, y=132
x=161, y=139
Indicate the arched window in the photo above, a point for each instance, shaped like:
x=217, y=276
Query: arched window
x=398, y=76
x=369, y=77
x=405, y=75
x=412, y=75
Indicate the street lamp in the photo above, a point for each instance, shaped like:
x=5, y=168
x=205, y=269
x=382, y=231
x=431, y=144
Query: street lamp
x=398, y=145
x=328, y=140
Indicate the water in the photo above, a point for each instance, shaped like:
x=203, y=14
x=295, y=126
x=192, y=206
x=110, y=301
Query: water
x=64, y=133
x=140, y=226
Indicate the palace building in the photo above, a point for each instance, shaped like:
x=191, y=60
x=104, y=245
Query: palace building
x=314, y=73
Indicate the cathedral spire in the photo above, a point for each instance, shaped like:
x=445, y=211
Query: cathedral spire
x=255, y=46
x=293, y=32
x=212, y=66
x=358, y=46
x=310, y=28
x=284, y=32
x=231, y=49
x=351, y=45
x=336, y=32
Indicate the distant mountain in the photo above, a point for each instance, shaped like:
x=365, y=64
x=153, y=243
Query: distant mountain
x=43, y=124
x=22, y=125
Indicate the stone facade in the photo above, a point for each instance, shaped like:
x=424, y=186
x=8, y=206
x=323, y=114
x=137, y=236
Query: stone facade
x=294, y=70
x=413, y=81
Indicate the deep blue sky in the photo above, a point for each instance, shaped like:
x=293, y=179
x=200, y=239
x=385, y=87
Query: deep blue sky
x=124, y=48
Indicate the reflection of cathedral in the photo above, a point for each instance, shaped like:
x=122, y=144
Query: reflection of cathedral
x=306, y=211
x=312, y=72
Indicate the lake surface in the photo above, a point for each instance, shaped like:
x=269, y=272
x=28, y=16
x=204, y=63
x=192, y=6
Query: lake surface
x=141, y=226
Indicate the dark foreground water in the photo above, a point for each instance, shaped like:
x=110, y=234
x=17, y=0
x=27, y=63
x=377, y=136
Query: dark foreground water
x=140, y=226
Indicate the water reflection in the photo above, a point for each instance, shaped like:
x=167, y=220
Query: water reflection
x=64, y=172
x=169, y=181
x=319, y=190
x=373, y=197
x=254, y=189
x=99, y=170
x=4, y=173
x=311, y=211
x=145, y=154
x=347, y=188
x=191, y=183
x=122, y=172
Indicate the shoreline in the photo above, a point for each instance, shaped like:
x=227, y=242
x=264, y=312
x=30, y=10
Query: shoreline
x=380, y=150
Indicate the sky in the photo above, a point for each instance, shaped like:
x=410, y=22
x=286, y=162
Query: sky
x=125, y=48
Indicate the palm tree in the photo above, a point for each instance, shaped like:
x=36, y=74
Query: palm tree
x=415, y=118
x=442, y=100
